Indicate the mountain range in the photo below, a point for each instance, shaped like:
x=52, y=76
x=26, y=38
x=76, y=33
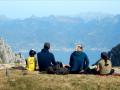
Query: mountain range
x=63, y=32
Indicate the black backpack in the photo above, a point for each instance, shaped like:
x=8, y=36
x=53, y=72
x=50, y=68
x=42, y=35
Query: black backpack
x=57, y=69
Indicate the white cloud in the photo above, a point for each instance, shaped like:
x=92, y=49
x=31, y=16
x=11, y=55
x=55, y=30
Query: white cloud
x=65, y=49
x=99, y=49
x=92, y=33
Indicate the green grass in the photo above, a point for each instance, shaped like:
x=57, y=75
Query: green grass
x=16, y=80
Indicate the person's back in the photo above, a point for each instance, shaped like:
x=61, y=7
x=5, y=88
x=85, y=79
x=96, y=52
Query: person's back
x=45, y=58
x=105, y=69
x=104, y=65
x=78, y=61
x=31, y=61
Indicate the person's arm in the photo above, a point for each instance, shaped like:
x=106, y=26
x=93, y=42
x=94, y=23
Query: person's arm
x=71, y=60
x=35, y=63
x=98, y=67
x=38, y=61
x=53, y=59
x=86, y=62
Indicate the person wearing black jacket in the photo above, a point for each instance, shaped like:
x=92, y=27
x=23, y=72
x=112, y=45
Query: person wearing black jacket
x=45, y=58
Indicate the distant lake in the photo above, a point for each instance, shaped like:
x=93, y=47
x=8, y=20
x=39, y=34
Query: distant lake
x=64, y=57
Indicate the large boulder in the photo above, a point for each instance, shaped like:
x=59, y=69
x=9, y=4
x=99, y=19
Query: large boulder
x=115, y=55
x=6, y=54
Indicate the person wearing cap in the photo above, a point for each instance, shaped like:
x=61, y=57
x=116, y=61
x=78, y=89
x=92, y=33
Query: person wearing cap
x=78, y=60
x=104, y=65
x=45, y=58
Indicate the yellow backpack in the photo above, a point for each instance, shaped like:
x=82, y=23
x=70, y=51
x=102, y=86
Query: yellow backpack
x=30, y=63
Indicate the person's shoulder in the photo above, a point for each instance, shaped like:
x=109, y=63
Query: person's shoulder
x=101, y=61
x=28, y=58
x=73, y=52
x=51, y=53
x=109, y=61
x=84, y=53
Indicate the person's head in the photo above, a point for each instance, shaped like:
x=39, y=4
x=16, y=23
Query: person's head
x=104, y=55
x=32, y=53
x=46, y=45
x=79, y=47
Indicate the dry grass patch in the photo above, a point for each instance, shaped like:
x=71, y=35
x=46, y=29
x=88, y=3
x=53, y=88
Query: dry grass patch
x=17, y=80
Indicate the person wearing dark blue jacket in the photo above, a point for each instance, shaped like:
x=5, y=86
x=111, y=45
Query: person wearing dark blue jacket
x=78, y=60
x=45, y=58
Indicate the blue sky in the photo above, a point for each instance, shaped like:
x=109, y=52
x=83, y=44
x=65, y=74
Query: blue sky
x=26, y=8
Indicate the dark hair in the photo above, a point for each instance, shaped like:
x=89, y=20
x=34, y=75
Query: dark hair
x=32, y=53
x=47, y=45
x=104, y=56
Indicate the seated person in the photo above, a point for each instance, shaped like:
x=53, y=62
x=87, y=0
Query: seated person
x=45, y=58
x=104, y=66
x=79, y=61
x=31, y=61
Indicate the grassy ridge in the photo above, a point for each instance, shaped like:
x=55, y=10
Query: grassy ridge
x=34, y=81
